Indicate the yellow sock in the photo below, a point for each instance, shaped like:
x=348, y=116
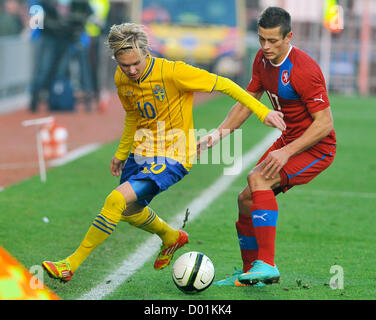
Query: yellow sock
x=102, y=227
x=148, y=220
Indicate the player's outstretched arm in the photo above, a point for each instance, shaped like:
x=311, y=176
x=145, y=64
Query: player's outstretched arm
x=125, y=145
x=247, y=100
x=273, y=118
x=235, y=118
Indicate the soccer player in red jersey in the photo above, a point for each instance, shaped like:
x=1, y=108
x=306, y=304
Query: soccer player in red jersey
x=296, y=87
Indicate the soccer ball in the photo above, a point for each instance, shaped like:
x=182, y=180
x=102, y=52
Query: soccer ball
x=193, y=272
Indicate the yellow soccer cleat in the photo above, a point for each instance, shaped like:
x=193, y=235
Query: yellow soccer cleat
x=165, y=255
x=58, y=270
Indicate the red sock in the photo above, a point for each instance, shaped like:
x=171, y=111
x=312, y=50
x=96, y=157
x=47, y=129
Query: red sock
x=247, y=241
x=264, y=211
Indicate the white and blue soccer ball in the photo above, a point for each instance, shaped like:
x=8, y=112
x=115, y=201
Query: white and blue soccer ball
x=193, y=272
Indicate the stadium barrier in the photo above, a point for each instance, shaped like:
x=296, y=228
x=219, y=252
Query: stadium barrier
x=15, y=72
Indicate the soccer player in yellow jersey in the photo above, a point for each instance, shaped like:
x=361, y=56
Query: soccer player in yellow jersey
x=157, y=147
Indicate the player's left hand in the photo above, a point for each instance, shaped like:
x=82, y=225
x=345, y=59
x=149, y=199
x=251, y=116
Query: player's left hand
x=274, y=162
x=275, y=119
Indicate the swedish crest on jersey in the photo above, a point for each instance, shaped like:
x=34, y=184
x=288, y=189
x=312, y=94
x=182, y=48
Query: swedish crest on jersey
x=159, y=92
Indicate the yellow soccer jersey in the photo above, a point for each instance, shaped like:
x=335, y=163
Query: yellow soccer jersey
x=159, y=120
x=163, y=99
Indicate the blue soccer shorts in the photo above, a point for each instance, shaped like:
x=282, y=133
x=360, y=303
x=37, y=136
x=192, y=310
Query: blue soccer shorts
x=150, y=176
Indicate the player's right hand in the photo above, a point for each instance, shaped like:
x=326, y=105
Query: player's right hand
x=275, y=119
x=116, y=166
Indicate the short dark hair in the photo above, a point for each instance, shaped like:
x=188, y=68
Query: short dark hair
x=273, y=17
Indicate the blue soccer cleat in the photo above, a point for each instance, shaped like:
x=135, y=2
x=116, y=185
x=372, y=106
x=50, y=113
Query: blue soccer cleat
x=260, y=272
x=234, y=282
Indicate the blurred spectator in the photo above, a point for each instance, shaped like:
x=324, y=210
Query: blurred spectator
x=64, y=21
x=80, y=11
x=10, y=21
x=94, y=27
x=155, y=14
x=80, y=51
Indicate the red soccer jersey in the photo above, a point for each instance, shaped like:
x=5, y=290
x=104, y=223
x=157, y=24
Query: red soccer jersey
x=296, y=87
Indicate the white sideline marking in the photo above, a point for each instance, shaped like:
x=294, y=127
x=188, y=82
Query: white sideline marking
x=150, y=247
x=74, y=154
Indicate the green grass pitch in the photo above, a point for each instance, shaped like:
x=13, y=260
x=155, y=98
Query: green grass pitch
x=329, y=222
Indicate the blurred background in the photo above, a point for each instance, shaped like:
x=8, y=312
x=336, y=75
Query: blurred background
x=54, y=62
x=57, y=47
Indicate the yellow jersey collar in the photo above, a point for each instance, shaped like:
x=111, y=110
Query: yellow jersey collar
x=148, y=69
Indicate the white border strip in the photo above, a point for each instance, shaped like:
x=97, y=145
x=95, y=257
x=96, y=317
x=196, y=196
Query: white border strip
x=74, y=154
x=70, y=156
x=150, y=247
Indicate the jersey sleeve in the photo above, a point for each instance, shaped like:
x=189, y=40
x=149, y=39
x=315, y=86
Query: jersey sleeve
x=130, y=120
x=230, y=88
x=127, y=138
x=189, y=78
x=255, y=84
x=308, y=81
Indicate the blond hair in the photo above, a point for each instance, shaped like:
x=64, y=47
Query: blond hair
x=127, y=36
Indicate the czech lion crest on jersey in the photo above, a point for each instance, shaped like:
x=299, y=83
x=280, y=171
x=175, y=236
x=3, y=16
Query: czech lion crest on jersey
x=285, y=77
x=159, y=92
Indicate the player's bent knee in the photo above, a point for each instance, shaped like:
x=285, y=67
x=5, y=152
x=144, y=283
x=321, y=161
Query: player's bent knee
x=244, y=201
x=128, y=192
x=133, y=208
x=114, y=203
x=243, y=198
x=254, y=176
x=256, y=180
